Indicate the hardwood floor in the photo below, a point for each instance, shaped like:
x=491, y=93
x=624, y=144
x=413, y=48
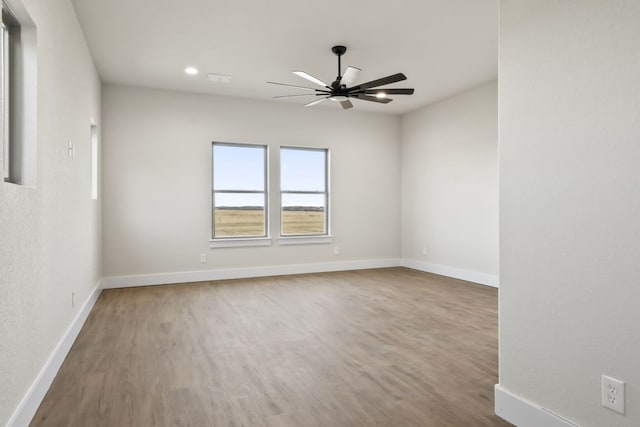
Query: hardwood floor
x=388, y=347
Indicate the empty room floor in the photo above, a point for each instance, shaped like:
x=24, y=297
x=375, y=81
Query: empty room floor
x=385, y=347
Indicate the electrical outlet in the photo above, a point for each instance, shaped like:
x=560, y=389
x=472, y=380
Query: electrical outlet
x=336, y=250
x=613, y=394
x=203, y=258
x=424, y=250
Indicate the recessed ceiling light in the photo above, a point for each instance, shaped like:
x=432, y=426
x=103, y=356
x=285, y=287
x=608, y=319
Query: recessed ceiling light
x=192, y=71
x=381, y=95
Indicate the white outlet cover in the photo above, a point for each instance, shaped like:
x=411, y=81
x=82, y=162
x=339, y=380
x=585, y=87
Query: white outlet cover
x=613, y=394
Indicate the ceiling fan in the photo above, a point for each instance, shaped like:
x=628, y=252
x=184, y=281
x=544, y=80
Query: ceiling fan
x=341, y=90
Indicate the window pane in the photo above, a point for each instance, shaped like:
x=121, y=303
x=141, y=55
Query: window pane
x=5, y=102
x=238, y=167
x=94, y=162
x=303, y=214
x=239, y=215
x=302, y=170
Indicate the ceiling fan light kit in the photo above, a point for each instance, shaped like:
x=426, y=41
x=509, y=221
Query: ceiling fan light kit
x=341, y=89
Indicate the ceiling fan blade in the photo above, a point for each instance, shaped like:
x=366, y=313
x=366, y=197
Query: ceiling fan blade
x=317, y=101
x=388, y=91
x=300, y=94
x=346, y=104
x=350, y=76
x=296, y=86
x=380, y=82
x=372, y=98
x=311, y=79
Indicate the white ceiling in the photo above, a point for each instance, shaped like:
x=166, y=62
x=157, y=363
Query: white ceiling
x=443, y=46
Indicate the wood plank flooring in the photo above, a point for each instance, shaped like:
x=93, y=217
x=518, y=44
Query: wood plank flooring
x=387, y=347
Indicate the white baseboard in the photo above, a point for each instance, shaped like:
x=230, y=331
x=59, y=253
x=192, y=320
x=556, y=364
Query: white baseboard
x=243, y=273
x=522, y=413
x=27, y=408
x=282, y=270
x=456, y=273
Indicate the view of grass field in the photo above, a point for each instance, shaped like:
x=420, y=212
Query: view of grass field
x=250, y=222
x=303, y=222
x=239, y=222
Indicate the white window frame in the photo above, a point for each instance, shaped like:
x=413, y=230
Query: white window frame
x=238, y=241
x=319, y=238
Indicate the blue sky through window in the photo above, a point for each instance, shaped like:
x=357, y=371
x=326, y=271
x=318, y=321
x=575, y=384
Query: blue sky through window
x=302, y=170
x=242, y=168
x=238, y=167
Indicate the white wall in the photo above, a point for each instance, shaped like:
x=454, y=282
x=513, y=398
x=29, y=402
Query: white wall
x=450, y=186
x=570, y=204
x=49, y=235
x=157, y=179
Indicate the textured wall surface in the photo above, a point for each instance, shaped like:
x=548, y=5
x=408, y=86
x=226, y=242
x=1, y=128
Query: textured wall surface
x=569, y=96
x=50, y=234
x=450, y=182
x=157, y=179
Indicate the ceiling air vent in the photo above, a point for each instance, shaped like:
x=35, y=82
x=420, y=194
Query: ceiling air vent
x=217, y=78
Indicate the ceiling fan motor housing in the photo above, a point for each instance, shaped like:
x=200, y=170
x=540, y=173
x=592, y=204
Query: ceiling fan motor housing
x=337, y=86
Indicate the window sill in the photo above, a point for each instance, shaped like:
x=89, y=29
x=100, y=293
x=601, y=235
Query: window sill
x=305, y=240
x=240, y=242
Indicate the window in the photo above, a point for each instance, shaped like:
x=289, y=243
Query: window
x=94, y=162
x=239, y=191
x=304, y=191
x=10, y=42
x=19, y=96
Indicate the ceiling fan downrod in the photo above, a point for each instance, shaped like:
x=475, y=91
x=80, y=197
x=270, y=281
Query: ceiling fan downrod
x=339, y=51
